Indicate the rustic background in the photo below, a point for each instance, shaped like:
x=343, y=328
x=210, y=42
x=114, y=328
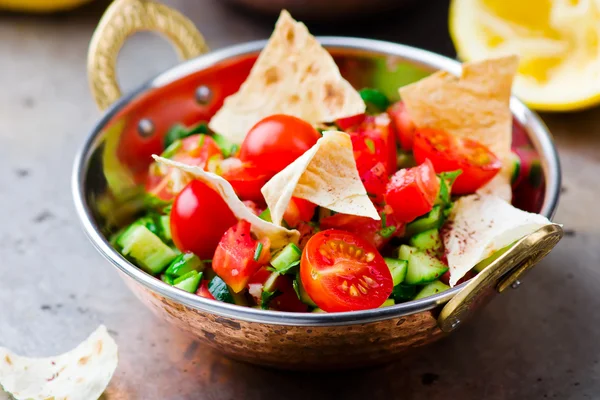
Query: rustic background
x=540, y=341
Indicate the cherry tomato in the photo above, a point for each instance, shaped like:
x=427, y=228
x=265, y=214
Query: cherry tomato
x=405, y=128
x=343, y=272
x=411, y=192
x=375, y=181
x=350, y=122
x=286, y=300
x=203, y=290
x=247, y=180
x=163, y=182
x=373, y=141
x=449, y=153
x=365, y=227
x=298, y=210
x=199, y=218
x=276, y=141
x=234, y=260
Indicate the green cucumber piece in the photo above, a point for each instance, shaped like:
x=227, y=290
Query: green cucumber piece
x=515, y=168
x=431, y=289
x=427, y=240
x=432, y=220
x=218, y=288
x=423, y=268
x=164, y=223
x=397, y=269
x=227, y=148
x=536, y=174
x=480, y=266
x=265, y=215
x=301, y=293
x=405, y=251
x=375, y=100
x=166, y=279
x=183, y=264
x=287, y=258
x=319, y=311
x=387, y=303
x=146, y=249
x=402, y=293
x=188, y=282
x=176, y=132
x=266, y=297
x=269, y=285
x=239, y=298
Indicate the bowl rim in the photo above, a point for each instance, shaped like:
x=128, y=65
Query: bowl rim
x=538, y=134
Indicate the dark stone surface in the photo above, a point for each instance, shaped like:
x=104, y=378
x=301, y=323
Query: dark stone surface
x=538, y=342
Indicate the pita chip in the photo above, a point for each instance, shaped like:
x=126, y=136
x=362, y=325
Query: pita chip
x=278, y=235
x=325, y=175
x=293, y=75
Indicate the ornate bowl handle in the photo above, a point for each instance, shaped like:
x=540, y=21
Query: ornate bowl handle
x=501, y=274
x=122, y=19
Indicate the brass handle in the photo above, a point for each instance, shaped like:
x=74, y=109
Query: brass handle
x=504, y=272
x=122, y=19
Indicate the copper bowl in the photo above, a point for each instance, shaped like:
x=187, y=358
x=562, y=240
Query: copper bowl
x=111, y=165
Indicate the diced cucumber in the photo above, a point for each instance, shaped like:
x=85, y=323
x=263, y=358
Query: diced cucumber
x=164, y=221
x=433, y=220
x=431, y=289
x=536, y=174
x=227, y=148
x=515, y=165
x=318, y=311
x=269, y=285
x=266, y=297
x=265, y=215
x=287, y=258
x=405, y=251
x=397, y=269
x=427, y=240
x=188, y=282
x=301, y=293
x=480, y=266
x=402, y=293
x=183, y=264
x=172, y=149
x=218, y=288
x=166, y=279
x=387, y=303
x=148, y=251
x=423, y=268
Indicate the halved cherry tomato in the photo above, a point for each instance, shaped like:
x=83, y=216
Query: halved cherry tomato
x=247, y=180
x=199, y=218
x=298, y=210
x=234, y=258
x=276, y=141
x=365, y=227
x=343, y=272
x=163, y=182
x=203, y=290
x=449, y=153
x=411, y=192
x=405, y=128
x=286, y=300
x=373, y=141
x=375, y=181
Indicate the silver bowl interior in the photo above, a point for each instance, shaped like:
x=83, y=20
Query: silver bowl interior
x=363, y=62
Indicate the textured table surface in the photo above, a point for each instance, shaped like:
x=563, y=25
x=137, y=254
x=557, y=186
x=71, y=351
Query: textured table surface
x=537, y=342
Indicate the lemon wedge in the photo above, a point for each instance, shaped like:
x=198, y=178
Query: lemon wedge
x=558, y=42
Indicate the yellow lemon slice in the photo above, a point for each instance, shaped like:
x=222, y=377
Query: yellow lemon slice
x=558, y=42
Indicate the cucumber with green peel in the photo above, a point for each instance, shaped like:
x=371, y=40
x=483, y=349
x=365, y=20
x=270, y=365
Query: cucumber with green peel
x=220, y=291
x=387, y=303
x=287, y=258
x=183, y=264
x=227, y=148
x=145, y=248
x=405, y=251
x=318, y=311
x=430, y=289
x=402, y=293
x=269, y=285
x=423, y=268
x=301, y=293
x=515, y=168
x=164, y=223
x=188, y=282
x=166, y=279
x=397, y=269
x=481, y=265
x=427, y=240
x=432, y=220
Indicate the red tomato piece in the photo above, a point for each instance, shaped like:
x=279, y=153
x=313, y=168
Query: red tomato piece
x=199, y=218
x=286, y=300
x=373, y=141
x=350, y=122
x=405, y=128
x=203, y=290
x=247, y=180
x=375, y=181
x=276, y=141
x=256, y=283
x=365, y=227
x=411, y=192
x=449, y=153
x=343, y=272
x=234, y=258
x=196, y=150
x=298, y=210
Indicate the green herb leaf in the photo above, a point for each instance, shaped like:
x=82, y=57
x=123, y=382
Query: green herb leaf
x=227, y=148
x=383, y=220
x=176, y=132
x=266, y=297
x=172, y=149
x=258, y=250
x=200, y=127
